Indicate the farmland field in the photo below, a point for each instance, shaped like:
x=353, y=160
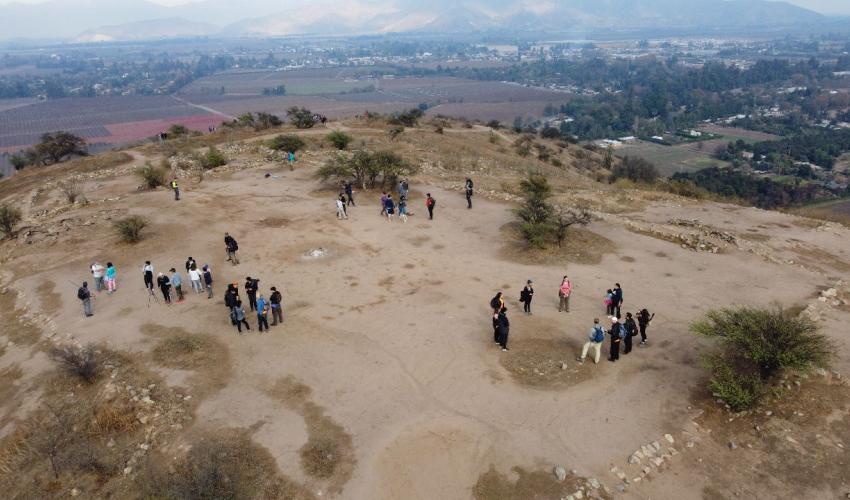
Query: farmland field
x=671, y=159
x=735, y=133
x=96, y=118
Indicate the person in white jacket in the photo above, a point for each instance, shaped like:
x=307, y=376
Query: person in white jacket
x=340, y=209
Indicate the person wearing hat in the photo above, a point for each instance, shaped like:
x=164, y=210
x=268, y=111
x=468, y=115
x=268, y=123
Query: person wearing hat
x=164, y=286
x=526, y=295
x=616, y=336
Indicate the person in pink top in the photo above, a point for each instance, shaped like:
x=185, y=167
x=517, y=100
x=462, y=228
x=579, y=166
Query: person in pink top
x=564, y=294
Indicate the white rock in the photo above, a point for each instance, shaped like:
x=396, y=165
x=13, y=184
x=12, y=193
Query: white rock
x=669, y=438
x=578, y=495
x=656, y=445
x=657, y=461
x=127, y=470
x=560, y=473
x=593, y=483
x=75, y=492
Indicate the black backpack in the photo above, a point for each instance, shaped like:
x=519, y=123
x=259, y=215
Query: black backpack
x=82, y=293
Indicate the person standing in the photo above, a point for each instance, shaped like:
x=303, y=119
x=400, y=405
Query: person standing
x=176, y=189
x=616, y=338
x=644, y=318
x=400, y=188
x=341, y=213
x=165, y=287
x=110, y=278
x=468, y=192
x=564, y=292
x=195, y=278
x=525, y=297
x=384, y=204
x=189, y=263
x=177, y=281
x=147, y=272
x=208, y=281
x=251, y=286
x=97, y=275
x=594, y=341
x=85, y=296
x=618, y=299
x=349, y=192
x=630, y=328
x=504, y=328
x=237, y=316
x=276, y=300
x=430, y=204
x=231, y=297
x=262, y=313
x=390, y=208
x=402, y=209
x=496, y=304
x=231, y=247
x=609, y=302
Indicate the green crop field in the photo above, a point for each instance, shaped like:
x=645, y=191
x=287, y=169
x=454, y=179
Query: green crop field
x=670, y=159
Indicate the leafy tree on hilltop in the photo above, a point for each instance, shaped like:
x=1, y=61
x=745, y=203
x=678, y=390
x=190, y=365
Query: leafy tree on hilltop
x=301, y=117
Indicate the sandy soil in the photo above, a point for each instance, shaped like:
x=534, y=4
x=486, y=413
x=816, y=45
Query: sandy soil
x=391, y=330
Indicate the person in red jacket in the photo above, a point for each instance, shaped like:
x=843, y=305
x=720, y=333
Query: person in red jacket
x=430, y=203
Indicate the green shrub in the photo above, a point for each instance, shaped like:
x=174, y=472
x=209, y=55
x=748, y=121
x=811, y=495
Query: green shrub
x=755, y=346
x=9, y=218
x=152, y=177
x=636, y=170
x=737, y=388
x=177, y=130
x=213, y=158
x=339, y=139
x=288, y=143
x=130, y=229
x=301, y=117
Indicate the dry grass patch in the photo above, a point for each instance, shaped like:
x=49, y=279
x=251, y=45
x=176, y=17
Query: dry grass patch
x=9, y=377
x=204, y=354
x=582, y=246
x=225, y=464
x=797, y=443
x=816, y=257
x=274, y=222
x=329, y=452
x=545, y=363
x=16, y=327
x=537, y=485
x=51, y=301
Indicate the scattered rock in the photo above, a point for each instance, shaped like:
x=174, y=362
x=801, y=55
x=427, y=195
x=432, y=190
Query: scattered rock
x=127, y=470
x=75, y=492
x=732, y=445
x=669, y=438
x=560, y=473
x=594, y=483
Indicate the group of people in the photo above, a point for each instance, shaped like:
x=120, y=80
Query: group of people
x=622, y=330
x=104, y=278
x=199, y=279
x=258, y=303
x=389, y=206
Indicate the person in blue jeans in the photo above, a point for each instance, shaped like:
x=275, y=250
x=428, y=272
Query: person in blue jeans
x=262, y=313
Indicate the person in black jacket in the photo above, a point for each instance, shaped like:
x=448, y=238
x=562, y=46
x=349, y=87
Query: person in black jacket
x=644, y=319
x=525, y=297
x=504, y=328
x=165, y=286
x=496, y=304
x=276, y=300
x=468, y=192
x=251, y=286
x=231, y=296
x=616, y=333
x=631, y=331
x=231, y=247
x=618, y=299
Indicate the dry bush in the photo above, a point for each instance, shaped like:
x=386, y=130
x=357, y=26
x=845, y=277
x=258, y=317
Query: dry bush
x=9, y=218
x=130, y=229
x=82, y=362
x=114, y=417
x=152, y=177
x=227, y=465
x=73, y=192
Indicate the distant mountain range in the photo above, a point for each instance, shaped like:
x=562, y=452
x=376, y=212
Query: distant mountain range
x=94, y=20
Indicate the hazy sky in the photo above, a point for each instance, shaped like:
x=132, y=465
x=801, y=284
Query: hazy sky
x=825, y=6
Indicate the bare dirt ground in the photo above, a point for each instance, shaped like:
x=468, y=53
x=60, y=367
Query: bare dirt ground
x=384, y=383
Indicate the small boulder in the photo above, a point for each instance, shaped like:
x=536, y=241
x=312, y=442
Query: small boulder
x=560, y=473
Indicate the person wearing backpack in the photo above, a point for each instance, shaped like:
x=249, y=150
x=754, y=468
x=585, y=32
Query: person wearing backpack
x=496, y=304
x=430, y=204
x=609, y=302
x=644, y=318
x=84, y=294
x=631, y=331
x=276, y=300
x=616, y=333
x=594, y=341
x=525, y=297
x=237, y=317
x=564, y=292
x=231, y=247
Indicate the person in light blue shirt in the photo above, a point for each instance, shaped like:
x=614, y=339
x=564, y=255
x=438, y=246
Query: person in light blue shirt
x=177, y=282
x=262, y=312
